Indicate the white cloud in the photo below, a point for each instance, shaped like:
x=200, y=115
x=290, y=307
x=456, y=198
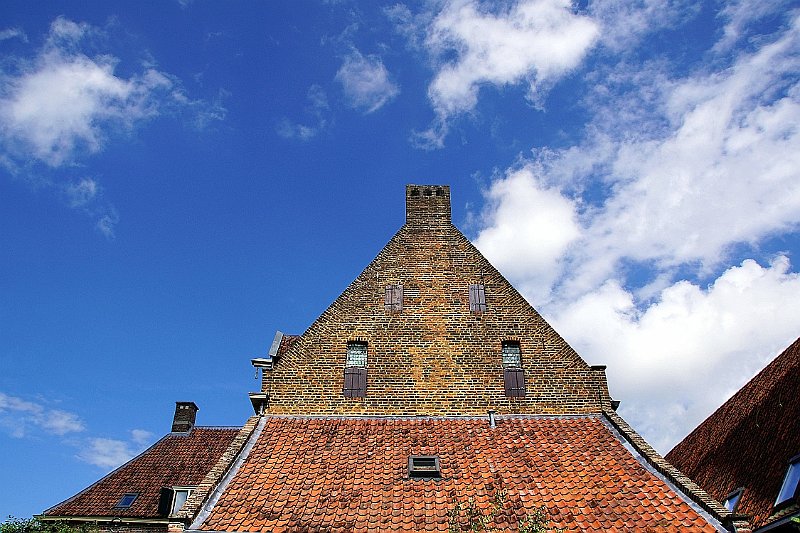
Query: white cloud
x=625, y=22
x=534, y=42
x=366, y=82
x=13, y=33
x=674, y=174
x=20, y=417
x=677, y=360
x=81, y=193
x=318, y=108
x=111, y=453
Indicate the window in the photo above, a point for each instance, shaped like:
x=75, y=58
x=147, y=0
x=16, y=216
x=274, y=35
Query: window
x=513, y=373
x=355, y=372
x=732, y=499
x=424, y=466
x=127, y=500
x=393, y=301
x=172, y=499
x=477, y=298
x=791, y=483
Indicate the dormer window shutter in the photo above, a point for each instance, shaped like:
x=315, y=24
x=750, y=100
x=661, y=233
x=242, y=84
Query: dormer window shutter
x=477, y=298
x=165, y=501
x=393, y=300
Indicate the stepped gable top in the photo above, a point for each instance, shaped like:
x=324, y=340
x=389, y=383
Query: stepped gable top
x=352, y=474
x=431, y=319
x=177, y=460
x=749, y=441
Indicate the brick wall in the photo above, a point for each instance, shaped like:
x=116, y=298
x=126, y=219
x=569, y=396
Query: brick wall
x=435, y=356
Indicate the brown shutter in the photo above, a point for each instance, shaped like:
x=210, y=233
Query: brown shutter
x=514, y=379
x=393, y=300
x=355, y=382
x=477, y=298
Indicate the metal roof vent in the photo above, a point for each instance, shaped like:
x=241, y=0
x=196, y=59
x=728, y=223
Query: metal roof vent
x=424, y=466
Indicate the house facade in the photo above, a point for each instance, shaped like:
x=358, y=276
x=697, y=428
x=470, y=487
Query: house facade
x=431, y=396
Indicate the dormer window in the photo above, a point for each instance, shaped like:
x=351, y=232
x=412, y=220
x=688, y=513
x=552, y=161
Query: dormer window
x=393, y=300
x=790, y=490
x=127, y=500
x=172, y=499
x=513, y=373
x=355, y=371
x=477, y=298
x=732, y=500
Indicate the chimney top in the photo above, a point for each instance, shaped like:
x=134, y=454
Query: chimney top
x=427, y=204
x=185, y=414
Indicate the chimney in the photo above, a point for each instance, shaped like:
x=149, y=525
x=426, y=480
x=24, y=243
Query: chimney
x=185, y=414
x=427, y=205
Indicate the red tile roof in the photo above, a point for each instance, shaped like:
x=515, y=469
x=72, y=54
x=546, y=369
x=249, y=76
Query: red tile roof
x=351, y=474
x=175, y=460
x=749, y=440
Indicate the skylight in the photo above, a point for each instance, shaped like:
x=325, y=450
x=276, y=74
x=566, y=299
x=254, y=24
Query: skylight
x=126, y=500
x=732, y=500
x=789, y=489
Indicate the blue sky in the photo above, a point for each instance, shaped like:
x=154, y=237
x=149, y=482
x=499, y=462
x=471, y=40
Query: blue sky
x=178, y=180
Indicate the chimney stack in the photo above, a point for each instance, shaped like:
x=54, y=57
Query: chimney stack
x=427, y=205
x=185, y=414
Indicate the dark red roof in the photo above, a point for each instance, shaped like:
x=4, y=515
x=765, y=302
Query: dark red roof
x=175, y=460
x=286, y=342
x=342, y=474
x=749, y=441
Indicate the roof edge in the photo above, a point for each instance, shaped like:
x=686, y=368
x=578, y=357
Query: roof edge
x=211, y=480
x=252, y=430
x=98, y=518
x=688, y=487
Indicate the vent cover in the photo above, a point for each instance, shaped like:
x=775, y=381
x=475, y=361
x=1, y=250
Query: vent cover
x=424, y=466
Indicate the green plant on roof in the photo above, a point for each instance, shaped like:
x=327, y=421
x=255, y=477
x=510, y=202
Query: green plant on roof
x=468, y=516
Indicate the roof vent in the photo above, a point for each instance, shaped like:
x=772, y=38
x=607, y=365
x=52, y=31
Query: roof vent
x=424, y=466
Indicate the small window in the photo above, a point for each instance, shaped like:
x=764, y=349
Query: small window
x=791, y=483
x=127, y=500
x=513, y=373
x=356, y=354
x=732, y=500
x=512, y=357
x=355, y=372
x=424, y=466
x=393, y=301
x=477, y=298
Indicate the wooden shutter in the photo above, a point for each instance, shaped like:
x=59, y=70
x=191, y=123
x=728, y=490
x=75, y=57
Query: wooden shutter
x=355, y=382
x=477, y=298
x=165, y=501
x=393, y=300
x=514, y=379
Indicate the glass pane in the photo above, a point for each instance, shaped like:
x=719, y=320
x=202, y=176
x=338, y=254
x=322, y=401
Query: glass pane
x=180, y=498
x=732, y=500
x=357, y=354
x=789, y=483
x=511, y=355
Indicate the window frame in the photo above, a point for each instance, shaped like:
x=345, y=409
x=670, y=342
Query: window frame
x=134, y=495
x=786, y=494
x=736, y=496
x=175, y=491
x=355, y=371
x=514, y=384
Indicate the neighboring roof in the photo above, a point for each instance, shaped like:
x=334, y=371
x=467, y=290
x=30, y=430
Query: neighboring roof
x=286, y=343
x=749, y=440
x=178, y=459
x=351, y=474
